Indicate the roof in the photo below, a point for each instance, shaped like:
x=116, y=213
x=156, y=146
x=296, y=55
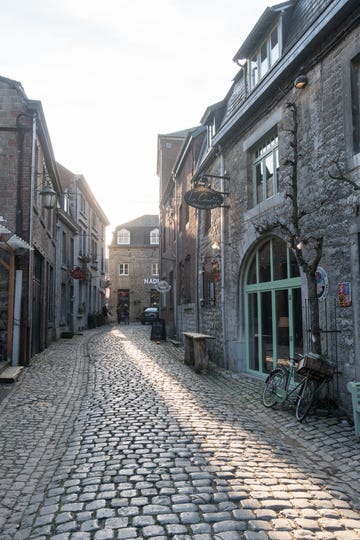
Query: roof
x=148, y=220
x=260, y=29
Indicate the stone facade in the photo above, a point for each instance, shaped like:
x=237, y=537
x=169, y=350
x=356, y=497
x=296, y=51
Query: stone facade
x=287, y=160
x=134, y=266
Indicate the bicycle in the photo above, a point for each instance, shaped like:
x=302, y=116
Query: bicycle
x=315, y=373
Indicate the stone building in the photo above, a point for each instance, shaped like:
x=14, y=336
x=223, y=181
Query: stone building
x=27, y=165
x=134, y=266
x=44, y=229
x=283, y=147
x=177, y=156
x=82, y=268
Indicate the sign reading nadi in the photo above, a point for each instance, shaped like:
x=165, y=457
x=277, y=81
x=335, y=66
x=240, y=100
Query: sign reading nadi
x=203, y=197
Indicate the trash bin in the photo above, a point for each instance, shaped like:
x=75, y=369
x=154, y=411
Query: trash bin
x=158, y=332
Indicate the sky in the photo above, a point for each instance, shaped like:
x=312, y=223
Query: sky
x=114, y=74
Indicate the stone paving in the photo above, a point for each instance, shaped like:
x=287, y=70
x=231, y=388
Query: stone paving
x=109, y=435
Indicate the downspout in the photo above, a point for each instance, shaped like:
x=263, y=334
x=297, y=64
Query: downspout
x=197, y=266
x=222, y=270
x=31, y=257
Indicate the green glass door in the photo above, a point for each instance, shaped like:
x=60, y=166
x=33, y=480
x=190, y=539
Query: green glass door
x=273, y=311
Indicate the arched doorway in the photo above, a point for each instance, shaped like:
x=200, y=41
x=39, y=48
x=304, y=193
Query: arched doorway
x=273, y=311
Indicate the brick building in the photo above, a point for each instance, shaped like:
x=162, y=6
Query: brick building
x=283, y=146
x=41, y=240
x=134, y=266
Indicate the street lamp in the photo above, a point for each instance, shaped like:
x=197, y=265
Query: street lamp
x=48, y=195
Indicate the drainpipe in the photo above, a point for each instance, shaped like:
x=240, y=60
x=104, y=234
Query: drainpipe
x=222, y=270
x=31, y=256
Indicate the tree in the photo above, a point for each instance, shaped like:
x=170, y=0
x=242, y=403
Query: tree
x=303, y=223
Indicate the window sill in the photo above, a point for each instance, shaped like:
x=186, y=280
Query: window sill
x=264, y=206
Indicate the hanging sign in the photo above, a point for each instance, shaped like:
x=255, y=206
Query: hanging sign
x=78, y=273
x=322, y=284
x=163, y=286
x=203, y=197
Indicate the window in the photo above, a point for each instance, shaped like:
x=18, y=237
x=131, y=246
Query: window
x=155, y=269
x=64, y=250
x=154, y=236
x=265, y=168
x=264, y=57
x=82, y=204
x=355, y=103
x=123, y=236
x=123, y=269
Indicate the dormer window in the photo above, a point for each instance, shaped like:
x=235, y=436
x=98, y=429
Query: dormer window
x=264, y=57
x=154, y=237
x=123, y=237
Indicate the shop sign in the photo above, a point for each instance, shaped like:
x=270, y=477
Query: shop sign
x=344, y=294
x=322, y=284
x=163, y=286
x=78, y=273
x=204, y=198
x=151, y=281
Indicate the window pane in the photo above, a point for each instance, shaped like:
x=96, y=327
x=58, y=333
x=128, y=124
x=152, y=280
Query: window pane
x=294, y=267
x=266, y=333
x=264, y=263
x=252, y=272
x=259, y=182
x=274, y=46
x=269, y=173
x=253, y=71
x=282, y=324
x=264, y=64
x=253, y=333
x=279, y=258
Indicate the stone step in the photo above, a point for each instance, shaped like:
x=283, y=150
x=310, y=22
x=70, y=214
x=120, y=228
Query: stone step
x=3, y=365
x=10, y=374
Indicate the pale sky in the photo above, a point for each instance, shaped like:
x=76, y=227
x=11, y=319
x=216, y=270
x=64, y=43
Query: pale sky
x=113, y=74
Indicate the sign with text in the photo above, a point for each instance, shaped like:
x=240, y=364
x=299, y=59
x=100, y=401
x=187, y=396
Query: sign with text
x=203, y=197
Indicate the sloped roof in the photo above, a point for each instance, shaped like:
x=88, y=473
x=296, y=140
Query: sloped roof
x=148, y=220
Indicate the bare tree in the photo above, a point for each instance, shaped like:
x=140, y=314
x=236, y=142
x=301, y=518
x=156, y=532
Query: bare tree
x=303, y=223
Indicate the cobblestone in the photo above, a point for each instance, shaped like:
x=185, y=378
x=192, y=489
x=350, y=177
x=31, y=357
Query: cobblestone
x=109, y=436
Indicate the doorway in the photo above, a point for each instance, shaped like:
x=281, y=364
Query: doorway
x=273, y=307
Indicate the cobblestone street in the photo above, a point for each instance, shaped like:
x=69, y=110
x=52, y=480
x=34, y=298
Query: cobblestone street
x=108, y=435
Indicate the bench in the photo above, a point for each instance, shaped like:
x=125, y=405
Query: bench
x=195, y=350
x=354, y=389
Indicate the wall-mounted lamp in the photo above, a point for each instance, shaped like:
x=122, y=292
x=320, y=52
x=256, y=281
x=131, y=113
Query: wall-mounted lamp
x=300, y=81
x=48, y=195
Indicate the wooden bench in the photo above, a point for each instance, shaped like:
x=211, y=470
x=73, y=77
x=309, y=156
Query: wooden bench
x=196, y=351
x=354, y=389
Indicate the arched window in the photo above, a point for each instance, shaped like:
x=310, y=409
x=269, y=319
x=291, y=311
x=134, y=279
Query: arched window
x=123, y=237
x=273, y=310
x=154, y=236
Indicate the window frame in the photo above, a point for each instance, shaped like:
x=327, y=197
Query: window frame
x=155, y=237
x=123, y=269
x=257, y=69
x=123, y=237
x=267, y=147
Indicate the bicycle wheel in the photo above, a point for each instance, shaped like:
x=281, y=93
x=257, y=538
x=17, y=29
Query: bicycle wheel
x=305, y=399
x=276, y=379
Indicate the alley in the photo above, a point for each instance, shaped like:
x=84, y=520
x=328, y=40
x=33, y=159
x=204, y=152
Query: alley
x=109, y=436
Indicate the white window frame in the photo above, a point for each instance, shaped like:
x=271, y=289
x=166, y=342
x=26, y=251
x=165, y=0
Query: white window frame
x=155, y=269
x=154, y=237
x=123, y=269
x=258, y=64
x=123, y=237
x=265, y=151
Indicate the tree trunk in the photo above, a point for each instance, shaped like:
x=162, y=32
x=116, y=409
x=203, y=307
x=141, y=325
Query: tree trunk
x=314, y=313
